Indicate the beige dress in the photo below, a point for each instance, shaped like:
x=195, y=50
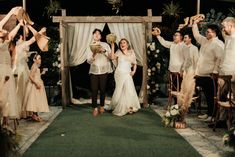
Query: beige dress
x=4, y=107
x=21, y=69
x=6, y=70
x=35, y=100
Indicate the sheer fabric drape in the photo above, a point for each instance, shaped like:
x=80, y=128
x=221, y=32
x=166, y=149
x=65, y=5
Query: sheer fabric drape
x=134, y=32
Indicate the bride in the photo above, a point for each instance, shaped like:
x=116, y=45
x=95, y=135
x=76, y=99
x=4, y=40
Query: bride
x=124, y=99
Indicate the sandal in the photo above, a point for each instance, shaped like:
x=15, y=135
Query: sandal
x=35, y=118
x=40, y=119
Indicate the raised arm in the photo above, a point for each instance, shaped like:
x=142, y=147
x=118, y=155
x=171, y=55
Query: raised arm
x=157, y=32
x=13, y=33
x=112, y=54
x=13, y=11
x=33, y=39
x=199, y=38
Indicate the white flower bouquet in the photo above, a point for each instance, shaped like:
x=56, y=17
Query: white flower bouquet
x=172, y=115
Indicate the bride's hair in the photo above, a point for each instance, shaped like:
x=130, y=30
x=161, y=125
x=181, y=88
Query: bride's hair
x=128, y=43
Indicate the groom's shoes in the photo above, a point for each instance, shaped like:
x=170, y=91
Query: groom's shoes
x=102, y=109
x=95, y=112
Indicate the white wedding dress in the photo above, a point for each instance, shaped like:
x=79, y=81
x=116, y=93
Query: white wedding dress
x=124, y=99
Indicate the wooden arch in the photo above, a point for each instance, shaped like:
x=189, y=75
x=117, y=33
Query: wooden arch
x=63, y=20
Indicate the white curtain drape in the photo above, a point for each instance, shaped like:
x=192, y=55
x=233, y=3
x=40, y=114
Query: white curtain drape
x=134, y=33
x=79, y=38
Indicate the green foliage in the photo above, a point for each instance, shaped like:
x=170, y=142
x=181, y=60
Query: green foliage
x=158, y=58
x=172, y=9
x=52, y=8
x=212, y=17
x=51, y=59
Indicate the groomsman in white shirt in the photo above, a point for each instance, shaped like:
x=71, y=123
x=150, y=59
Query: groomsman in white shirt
x=227, y=66
x=176, y=52
x=210, y=55
x=100, y=67
x=190, y=53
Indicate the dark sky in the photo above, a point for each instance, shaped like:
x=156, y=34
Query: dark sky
x=35, y=8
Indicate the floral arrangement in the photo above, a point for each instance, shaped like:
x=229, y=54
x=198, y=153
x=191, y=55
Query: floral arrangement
x=157, y=71
x=52, y=59
x=176, y=113
x=187, y=89
x=229, y=138
x=172, y=115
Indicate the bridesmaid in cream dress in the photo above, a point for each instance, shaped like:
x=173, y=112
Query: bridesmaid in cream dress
x=35, y=99
x=20, y=66
x=6, y=66
x=21, y=69
x=124, y=99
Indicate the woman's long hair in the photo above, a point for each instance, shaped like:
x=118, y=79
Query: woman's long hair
x=128, y=43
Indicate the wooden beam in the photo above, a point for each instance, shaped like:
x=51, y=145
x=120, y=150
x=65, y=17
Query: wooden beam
x=106, y=19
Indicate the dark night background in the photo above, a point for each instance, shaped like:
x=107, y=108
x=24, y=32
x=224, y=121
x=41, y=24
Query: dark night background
x=35, y=8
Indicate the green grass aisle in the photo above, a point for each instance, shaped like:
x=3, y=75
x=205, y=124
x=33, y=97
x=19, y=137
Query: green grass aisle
x=76, y=133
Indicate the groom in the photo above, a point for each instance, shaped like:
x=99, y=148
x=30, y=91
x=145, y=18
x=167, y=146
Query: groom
x=100, y=67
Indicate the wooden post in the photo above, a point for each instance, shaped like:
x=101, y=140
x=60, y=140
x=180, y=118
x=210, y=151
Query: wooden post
x=24, y=4
x=198, y=6
x=64, y=65
x=145, y=64
x=24, y=29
